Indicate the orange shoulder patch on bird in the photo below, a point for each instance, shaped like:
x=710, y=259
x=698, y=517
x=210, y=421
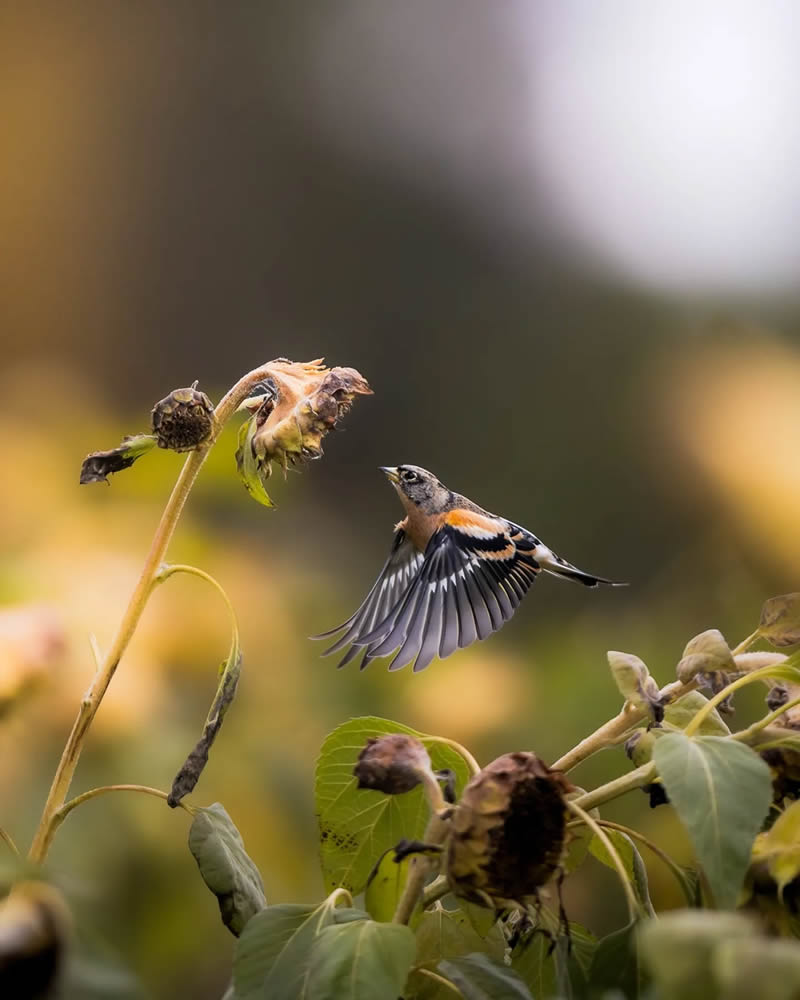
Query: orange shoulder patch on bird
x=472, y=523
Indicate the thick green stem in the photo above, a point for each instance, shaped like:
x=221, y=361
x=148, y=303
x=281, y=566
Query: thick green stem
x=611, y=732
x=619, y=786
x=133, y=613
x=418, y=871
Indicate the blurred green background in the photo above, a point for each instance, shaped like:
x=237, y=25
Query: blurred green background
x=562, y=243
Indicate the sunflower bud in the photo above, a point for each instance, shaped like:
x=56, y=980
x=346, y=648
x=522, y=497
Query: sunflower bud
x=508, y=831
x=34, y=932
x=183, y=420
x=392, y=764
x=707, y=653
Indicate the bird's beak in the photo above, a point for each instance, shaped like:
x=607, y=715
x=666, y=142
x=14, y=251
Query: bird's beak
x=391, y=473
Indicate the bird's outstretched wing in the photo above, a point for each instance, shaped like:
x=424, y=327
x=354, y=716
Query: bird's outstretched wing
x=393, y=581
x=475, y=572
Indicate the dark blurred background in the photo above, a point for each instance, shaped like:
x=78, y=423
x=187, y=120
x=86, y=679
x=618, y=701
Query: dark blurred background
x=561, y=240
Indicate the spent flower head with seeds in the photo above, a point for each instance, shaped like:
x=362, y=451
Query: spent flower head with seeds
x=508, y=831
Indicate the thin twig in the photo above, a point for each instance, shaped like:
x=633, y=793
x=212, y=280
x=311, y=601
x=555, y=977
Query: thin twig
x=9, y=841
x=61, y=814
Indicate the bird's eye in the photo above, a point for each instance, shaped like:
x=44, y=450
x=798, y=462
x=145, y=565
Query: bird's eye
x=409, y=476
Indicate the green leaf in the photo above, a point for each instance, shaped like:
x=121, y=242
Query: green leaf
x=273, y=955
x=555, y=969
x=779, y=847
x=780, y=620
x=481, y=918
x=631, y=860
x=227, y=870
x=721, y=791
x=448, y=934
x=615, y=965
x=533, y=959
x=481, y=978
x=681, y=712
x=361, y=960
x=358, y=825
x=385, y=886
x=250, y=470
x=677, y=950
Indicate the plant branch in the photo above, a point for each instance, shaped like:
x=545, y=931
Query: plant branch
x=418, y=870
x=619, y=786
x=133, y=613
x=611, y=732
x=9, y=841
x=745, y=735
x=61, y=814
x=763, y=673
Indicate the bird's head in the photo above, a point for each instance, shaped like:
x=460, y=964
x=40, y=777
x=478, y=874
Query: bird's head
x=417, y=488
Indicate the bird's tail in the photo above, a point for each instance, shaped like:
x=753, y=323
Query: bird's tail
x=560, y=567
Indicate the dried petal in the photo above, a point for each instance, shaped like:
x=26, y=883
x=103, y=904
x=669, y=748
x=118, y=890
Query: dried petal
x=289, y=424
x=98, y=466
x=508, y=831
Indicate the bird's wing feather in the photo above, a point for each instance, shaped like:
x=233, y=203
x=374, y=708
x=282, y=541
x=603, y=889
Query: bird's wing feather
x=393, y=581
x=471, y=581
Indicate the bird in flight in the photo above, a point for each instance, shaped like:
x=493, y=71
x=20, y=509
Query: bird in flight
x=455, y=574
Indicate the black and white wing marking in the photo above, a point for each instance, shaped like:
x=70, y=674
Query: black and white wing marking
x=475, y=573
x=393, y=581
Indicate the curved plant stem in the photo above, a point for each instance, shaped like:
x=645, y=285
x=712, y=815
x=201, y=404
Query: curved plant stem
x=130, y=618
x=166, y=571
x=673, y=866
x=339, y=893
x=745, y=735
x=9, y=841
x=61, y=814
x=634, y=907
x=472, y=764
x=439, y=980
x=610, y=733
x=764, y=673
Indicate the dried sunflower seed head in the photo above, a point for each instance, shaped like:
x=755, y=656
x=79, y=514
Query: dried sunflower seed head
x=183, y=420
x=392, y=764
x=508, y=831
